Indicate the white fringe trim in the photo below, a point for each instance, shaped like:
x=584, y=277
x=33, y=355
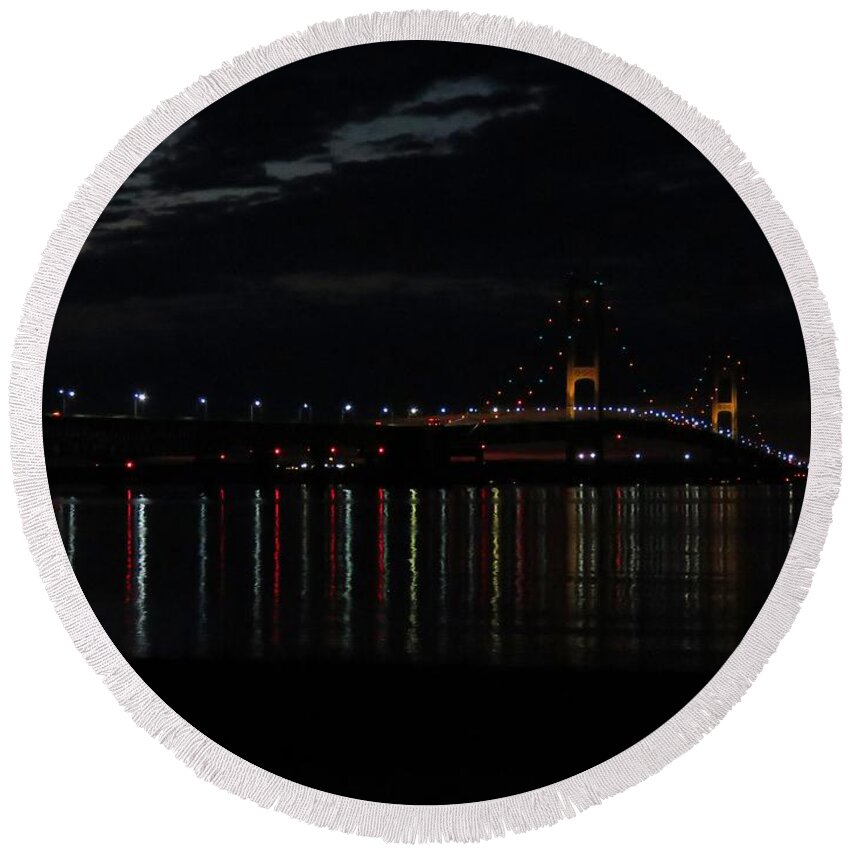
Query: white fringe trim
x=469, y=821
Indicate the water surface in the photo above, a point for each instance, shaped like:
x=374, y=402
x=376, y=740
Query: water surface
x=444, y=612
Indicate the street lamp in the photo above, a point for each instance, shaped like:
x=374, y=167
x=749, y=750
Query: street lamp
x=256, y=404
x=305, y=412
x=202, y=403
x=346, y=408
x=66, y=394
x=139, y=398
x=414, y=411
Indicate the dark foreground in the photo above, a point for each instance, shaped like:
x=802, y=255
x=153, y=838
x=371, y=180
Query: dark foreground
x=419, y=734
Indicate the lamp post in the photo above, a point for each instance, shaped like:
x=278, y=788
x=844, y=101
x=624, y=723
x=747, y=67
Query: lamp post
x=139, y=398
x=386, y=410
x=66, y=394
x=204, y=406
x=346, y=408
x=256, y=404
x=305, y=412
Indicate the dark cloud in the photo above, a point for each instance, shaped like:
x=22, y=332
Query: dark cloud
x=482, y=103
x=403, y=143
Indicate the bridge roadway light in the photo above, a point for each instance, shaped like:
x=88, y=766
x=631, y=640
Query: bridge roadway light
x=414, y=411
x=256, y=404
x=66, y=394
x=139, y=398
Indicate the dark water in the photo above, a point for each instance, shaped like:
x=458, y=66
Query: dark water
x=294, y=624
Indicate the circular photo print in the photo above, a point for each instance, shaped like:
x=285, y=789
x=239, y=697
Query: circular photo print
x=426, y=422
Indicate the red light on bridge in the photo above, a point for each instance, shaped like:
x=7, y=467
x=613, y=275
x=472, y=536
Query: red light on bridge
x=332, y=450
x=381, y=450
x=222, y=456
x=130, y=464
x=278, y=451
x=618, y=436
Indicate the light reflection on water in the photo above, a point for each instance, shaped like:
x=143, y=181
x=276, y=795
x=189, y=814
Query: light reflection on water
x=203, y=558
x=135, y=573
x=592, y=578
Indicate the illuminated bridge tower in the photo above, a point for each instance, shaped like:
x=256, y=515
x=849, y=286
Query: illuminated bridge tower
x=724, y=401
x=582, y=354
x=577, y=373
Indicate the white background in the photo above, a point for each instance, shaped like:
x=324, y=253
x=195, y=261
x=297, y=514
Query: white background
x=75, y=769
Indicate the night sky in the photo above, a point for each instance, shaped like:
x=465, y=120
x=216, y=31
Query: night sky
x=392, y=223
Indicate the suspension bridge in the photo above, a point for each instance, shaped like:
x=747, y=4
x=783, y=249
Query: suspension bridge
x=577, y=409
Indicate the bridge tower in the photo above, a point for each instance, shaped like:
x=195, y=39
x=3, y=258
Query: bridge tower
x=725, y=402
x=583, y=346
x=577, y=373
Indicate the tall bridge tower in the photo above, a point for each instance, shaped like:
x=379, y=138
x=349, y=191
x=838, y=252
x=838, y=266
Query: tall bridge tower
x=576, y=374
x=583, y=350
x=724, y=400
